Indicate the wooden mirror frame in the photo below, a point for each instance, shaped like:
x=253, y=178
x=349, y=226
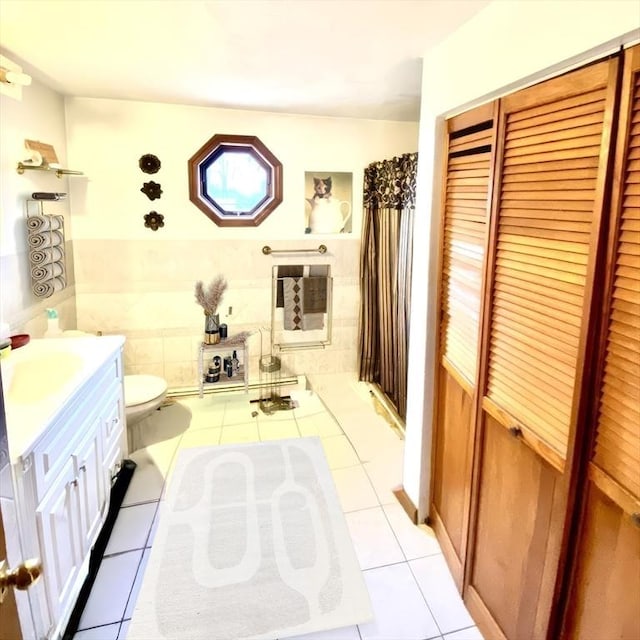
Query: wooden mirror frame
x=207, y=154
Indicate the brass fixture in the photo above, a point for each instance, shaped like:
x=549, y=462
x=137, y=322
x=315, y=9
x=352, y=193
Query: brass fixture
x=22, y=577
x=267, y=250
x=59, y=172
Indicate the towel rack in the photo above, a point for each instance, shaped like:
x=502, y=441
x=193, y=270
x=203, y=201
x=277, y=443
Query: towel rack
x=267, y=250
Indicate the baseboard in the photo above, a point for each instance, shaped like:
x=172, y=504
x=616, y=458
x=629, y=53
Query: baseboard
x=406, y=503
x=118, y=491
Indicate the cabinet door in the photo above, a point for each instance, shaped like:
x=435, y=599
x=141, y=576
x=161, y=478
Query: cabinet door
x=464, y=239
x=91, y=490
x=554, y=143
x=607, y=561
x=114, y=441
x=57, y=520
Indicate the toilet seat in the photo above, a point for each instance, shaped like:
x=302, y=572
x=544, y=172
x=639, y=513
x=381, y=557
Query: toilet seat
x=140, y=389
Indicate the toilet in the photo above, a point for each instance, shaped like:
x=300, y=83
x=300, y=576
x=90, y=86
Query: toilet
x=143, y=394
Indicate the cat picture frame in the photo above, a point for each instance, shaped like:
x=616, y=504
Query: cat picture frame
x=328, y=202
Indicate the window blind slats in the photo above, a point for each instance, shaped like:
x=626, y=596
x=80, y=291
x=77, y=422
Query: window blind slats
x=617, y=444
x=544, y=229
x=556, y=111
x=465, y=229
x=550, y=177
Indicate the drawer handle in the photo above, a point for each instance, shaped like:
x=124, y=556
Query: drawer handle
x=635, y=518
x=83, y=467
x=515, y=431
x=74, y=482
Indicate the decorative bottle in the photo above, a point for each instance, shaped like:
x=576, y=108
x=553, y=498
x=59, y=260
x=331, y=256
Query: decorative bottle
x=235, y=363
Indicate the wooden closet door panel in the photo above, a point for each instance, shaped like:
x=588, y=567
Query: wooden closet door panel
x=464, y=240
x=544, y=238
x=606, y=603
x=554, y=145
x=466, y=203
x=606, y=575
x=517, y=505
x=452, y=458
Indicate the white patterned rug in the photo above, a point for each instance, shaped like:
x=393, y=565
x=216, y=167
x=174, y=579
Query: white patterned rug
x=252, y=544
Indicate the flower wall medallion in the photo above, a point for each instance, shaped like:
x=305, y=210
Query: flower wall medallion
x=153, y=220
x=152, y=190
x=149, y=163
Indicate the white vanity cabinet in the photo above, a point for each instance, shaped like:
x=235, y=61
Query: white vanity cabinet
x=63, y=480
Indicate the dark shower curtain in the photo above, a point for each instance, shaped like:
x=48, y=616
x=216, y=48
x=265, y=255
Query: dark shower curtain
x=385, y=274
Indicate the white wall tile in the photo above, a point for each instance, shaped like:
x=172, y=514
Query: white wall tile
x=178, y=349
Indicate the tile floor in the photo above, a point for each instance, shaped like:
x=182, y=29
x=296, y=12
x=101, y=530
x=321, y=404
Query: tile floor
x=412, y=592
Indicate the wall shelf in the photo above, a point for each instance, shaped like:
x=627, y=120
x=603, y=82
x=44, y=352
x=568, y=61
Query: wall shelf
x=59, y=172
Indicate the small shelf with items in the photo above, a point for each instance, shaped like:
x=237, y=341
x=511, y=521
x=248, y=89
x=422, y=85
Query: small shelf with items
x=214, y=361
x=58, y=171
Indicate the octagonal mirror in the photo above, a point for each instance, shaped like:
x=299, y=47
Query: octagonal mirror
x=235, y=180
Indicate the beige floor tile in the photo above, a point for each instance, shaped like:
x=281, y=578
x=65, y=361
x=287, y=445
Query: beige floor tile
x=201, y=438
x=339, y=452
x=243, y=432
x=354, y=489
x=278, y=430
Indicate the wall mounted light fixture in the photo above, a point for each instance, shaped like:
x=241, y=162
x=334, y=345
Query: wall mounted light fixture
x=12, y=79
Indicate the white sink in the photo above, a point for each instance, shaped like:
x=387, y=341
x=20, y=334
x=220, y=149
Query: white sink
x=40, y=375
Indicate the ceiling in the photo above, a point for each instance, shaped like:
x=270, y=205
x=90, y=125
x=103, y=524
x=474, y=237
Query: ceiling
x=349, y=58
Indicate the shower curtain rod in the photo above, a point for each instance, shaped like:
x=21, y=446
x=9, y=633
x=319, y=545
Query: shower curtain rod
x=267, y=250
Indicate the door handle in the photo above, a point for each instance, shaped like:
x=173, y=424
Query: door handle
x=22, y=577
x=515, y=431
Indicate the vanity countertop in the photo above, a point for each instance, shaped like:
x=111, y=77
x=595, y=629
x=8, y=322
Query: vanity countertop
x=41, y=377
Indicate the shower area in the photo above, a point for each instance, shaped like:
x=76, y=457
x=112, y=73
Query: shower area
x=385, y=273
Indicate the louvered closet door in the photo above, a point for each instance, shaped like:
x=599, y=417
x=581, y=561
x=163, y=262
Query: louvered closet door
x=548, y=205
x=464, y=238
x=607, y=576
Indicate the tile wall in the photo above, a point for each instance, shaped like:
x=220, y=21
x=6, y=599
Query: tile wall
x=148, y=296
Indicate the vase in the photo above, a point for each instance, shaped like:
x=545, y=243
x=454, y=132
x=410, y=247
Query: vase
x=211, y=328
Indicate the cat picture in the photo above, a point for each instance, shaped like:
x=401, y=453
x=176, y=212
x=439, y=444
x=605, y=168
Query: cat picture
x=322, y=187
x=328, y=202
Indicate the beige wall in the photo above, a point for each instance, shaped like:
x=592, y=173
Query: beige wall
x=509, y=44
x=38, y=116
x=138, y=282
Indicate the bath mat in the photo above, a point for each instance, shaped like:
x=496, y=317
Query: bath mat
x=252, y=544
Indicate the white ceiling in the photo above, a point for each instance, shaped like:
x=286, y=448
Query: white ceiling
x=351, y=58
